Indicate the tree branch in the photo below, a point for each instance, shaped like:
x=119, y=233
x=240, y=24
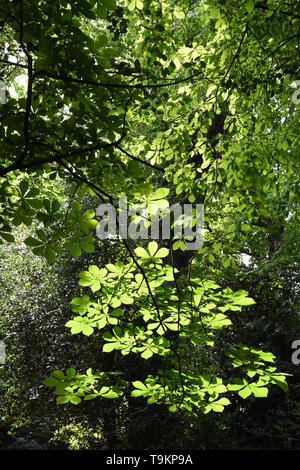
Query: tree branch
x=263, y=7
x=84, y=180
x=56, y=158
x=238, y=50
x=14, y=64
x=44, y=73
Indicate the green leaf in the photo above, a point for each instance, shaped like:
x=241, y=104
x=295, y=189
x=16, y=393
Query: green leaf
x=147, y=353
x=76, y=208
x=152, y=248
x=280, y=381
x=76, y=251
x=87, y=330
x=41, y=234
x=94, y=270
x=141, y=252
x=162, y=253
x=101, y=41
x=250, y=6
x=62, y=400
x=75, y=400
x=75, y=326
x=179, y=244
x=245, y=392
x=24, y=187
x=70, y=372
x=91, y=396
x=137, y=393
x=109, y=4
x=30, y=241
x=259, y=391
x=179, y=13
x=172, y=408
x=58, y=374
x=8, y=237
x=131, y=5
x=139, y=385
x=35, y=203
x=109, y=347
x=39, y=251
x=50, y=382
x=244, y=301
x=160, y=193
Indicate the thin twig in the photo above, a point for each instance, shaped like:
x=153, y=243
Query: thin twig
x=144, y=162
x=44, y=73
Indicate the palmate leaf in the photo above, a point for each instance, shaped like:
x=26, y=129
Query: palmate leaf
x=241, y=298
x=87, y=222
x=73, y=387
x=237, y=384
x=51, y=382
x=258, y=390
x=107, y=392
x=94, y=277
x=120, y=340
x=154, y=253
x=218, y=321
x=62, y=400
x=167, y=323
x=81, y=304
x=81, y=325
x=118, y=270
x=280, y=380
x=217, y=406
x=141, y=252
x=140, y=389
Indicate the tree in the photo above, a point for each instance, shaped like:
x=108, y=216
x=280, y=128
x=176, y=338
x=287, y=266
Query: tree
x=147, y=100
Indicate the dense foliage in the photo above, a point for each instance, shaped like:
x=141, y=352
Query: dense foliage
x=165, y=104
